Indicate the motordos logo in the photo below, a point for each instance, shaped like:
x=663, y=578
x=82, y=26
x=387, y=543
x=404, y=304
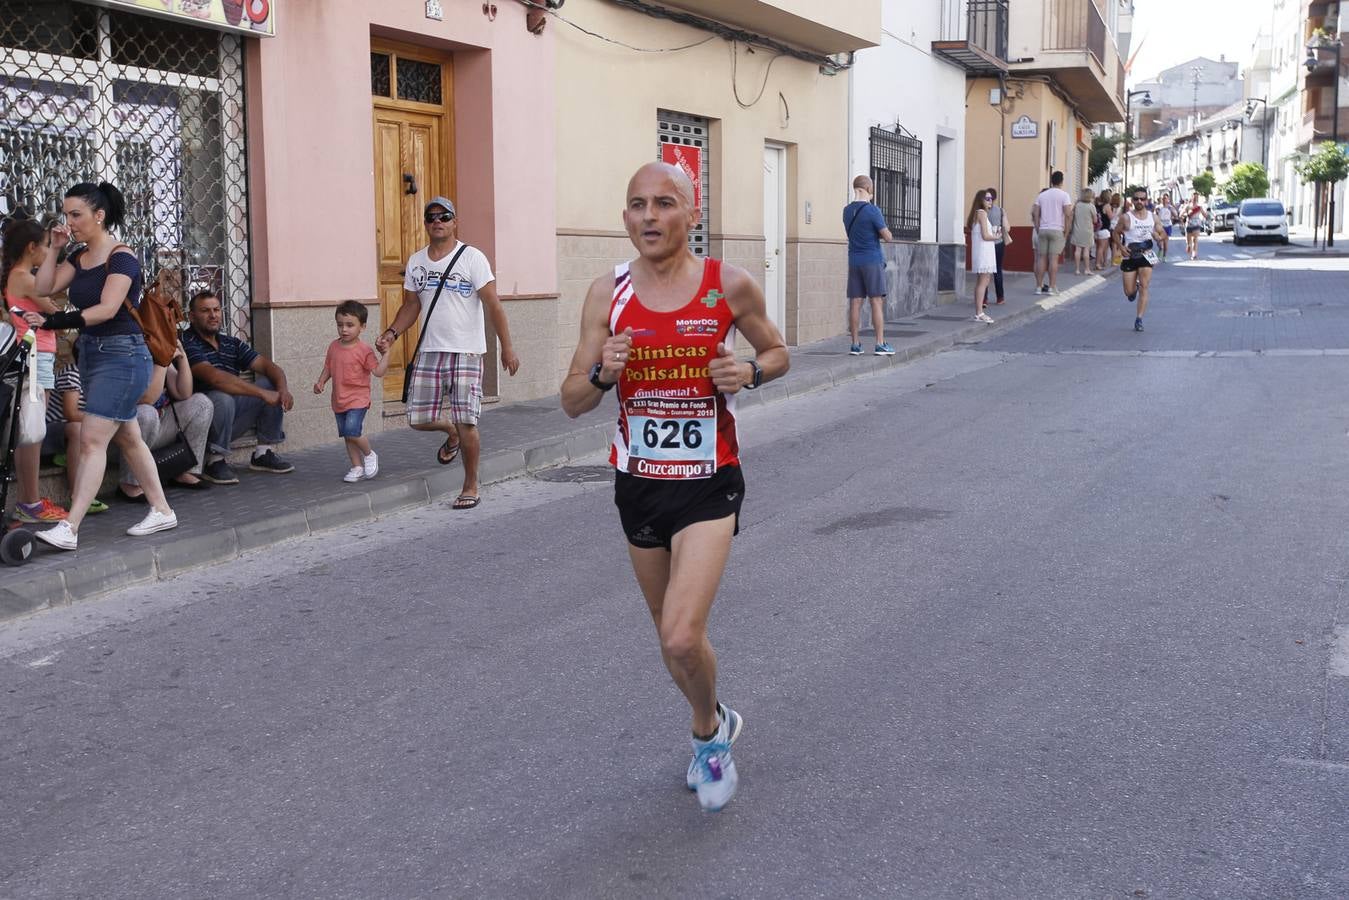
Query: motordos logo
x=696, y=326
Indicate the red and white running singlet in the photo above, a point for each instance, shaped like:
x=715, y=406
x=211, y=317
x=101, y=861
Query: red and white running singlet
x=672, y=422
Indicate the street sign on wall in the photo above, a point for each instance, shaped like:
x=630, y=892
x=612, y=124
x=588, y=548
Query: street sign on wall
x=1025, y=127
x=690, y=160
x=255, y=17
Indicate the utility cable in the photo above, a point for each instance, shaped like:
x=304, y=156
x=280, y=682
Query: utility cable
x=563, y=19
x=735, y=87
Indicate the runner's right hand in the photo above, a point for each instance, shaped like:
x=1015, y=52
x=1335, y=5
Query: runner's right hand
x=615, y=356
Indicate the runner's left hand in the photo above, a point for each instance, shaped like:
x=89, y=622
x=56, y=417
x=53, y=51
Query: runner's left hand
x=728, y=375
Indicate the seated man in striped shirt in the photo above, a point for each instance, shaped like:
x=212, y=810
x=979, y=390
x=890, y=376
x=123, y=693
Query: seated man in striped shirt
x=218, y=360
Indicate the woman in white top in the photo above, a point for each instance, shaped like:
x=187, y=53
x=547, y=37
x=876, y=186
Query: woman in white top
x=1194, y=225
x=1166, y=217
x=983, y=256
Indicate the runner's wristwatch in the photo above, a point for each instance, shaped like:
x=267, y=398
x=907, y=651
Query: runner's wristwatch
x=595, y=371
x=757, y=378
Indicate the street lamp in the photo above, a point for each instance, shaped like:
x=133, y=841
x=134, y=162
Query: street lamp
x=1129, y=125
x=1264, y=128
x=1312, y=63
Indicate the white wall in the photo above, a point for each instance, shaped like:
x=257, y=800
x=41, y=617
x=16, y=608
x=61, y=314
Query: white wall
x=901, y=81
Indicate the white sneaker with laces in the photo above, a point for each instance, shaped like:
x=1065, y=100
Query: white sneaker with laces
x=370, y=464
x=354, y=474
x=62, y=537
x=711, y=772
x=155, y=521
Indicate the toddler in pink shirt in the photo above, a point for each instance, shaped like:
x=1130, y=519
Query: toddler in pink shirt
x=349, y=364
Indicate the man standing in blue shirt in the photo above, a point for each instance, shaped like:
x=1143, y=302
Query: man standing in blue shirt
x=865, y=227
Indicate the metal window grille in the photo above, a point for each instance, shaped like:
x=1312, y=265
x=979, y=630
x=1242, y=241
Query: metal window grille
x=897, y=172
x=156, y=108
x=678, y=128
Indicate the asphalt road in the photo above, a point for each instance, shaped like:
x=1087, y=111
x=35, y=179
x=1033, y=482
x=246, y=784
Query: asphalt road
x=1060, y=614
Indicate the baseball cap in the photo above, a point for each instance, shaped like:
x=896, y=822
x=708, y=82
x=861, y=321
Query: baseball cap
x=440, y=201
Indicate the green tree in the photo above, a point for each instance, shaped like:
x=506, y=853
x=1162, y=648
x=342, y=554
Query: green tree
x=1327, y=166
x=1204, y=183
x=1248, y=180
x=1103, y=152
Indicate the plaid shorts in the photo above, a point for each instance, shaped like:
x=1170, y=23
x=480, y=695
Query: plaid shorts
x=437, y=374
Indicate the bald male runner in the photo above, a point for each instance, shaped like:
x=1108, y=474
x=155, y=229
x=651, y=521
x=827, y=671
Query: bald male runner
x=662, y=329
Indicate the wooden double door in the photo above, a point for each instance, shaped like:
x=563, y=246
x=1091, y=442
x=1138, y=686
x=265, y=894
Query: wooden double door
x=414, y=161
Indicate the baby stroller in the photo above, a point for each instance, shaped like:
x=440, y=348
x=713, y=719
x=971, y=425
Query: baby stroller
x=16, y=543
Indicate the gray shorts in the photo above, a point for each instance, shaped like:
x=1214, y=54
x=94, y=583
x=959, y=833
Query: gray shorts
x=866, y=281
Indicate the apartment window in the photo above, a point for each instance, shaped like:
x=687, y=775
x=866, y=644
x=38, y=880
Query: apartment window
x=693, y=132
x=897, y=171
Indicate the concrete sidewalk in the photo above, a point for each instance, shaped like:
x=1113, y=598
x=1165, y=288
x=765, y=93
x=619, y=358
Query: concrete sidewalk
x=220, y=524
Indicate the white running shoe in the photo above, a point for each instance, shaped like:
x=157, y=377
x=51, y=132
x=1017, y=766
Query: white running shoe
x=711, y=772
x=155, y=521
x=370, y=464
x=985, y=318
x=354, y=474
x=62, y=537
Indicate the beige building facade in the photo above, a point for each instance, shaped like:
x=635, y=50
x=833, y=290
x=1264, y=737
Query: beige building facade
x=1064, y=74
x=766, y=128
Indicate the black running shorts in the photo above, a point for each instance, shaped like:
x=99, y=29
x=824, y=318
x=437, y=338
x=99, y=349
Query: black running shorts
x=653, y=510
x=1133, y=265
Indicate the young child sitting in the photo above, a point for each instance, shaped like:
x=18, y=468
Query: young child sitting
x=350, y=363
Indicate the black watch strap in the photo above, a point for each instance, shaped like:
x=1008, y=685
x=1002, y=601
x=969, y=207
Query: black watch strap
x=595, y=371
x=757, y=378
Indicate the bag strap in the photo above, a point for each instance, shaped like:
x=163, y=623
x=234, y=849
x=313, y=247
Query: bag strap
x=435, y=298
x=126, y=301
x=847, y=229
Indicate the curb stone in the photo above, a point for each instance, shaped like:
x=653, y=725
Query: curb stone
x=25, y=595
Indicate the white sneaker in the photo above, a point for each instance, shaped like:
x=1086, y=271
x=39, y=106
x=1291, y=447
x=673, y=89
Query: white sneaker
x=155, y=521
x=370, y=464
x=985, y=318
x=712, y=773
x=727, y=731
x=354, y=474
x=62, y=537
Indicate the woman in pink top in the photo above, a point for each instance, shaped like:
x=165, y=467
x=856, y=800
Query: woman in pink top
x=349, y=364
x=25, y=246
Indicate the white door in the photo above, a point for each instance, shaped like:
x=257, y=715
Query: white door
x=775, y=235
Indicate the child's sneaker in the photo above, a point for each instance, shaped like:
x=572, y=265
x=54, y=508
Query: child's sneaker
x=41, y=512
x=370, y=464
x=356, y=473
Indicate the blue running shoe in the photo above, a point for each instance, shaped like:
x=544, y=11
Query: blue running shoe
x=855, y=350
x=1138, y=324
x=885, y=350
x=727, y=732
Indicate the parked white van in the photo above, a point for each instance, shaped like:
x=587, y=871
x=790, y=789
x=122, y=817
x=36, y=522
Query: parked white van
x=1260, y=219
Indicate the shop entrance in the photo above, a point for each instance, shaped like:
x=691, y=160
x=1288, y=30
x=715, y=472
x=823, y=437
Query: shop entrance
x=414, y=161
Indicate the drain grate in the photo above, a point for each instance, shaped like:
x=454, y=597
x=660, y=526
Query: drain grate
x=576, y=474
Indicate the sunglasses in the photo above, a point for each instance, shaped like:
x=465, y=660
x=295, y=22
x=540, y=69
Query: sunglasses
x=439, y=217
x=988, y=197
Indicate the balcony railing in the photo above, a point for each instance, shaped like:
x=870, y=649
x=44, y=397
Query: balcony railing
x=1075, y=25
x=974, y=34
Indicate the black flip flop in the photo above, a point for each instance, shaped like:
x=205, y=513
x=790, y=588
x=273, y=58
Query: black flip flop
x=451, y=449
x=464, y=501
x=131, y=498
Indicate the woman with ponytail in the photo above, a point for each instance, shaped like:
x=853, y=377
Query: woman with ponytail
x=115, y=366
x=22, y=251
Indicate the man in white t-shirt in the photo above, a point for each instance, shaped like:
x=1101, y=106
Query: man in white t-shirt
x=448, y=364
x=1052, y=212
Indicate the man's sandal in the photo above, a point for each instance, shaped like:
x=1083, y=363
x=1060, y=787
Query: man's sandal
x=447, y=452
x=464, y=501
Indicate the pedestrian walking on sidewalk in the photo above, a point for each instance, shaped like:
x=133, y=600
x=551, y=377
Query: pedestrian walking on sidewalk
x=349, y=364
x=998, y=219
x=1103, y=231
x=103, y=279
x=864, y=224
x=658, y=330
x=1052, y=213
x=983, y=255
x=1084, y=232
x=448, y=286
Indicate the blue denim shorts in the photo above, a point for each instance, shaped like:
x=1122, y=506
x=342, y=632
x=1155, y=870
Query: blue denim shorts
x=46, y=371
x=114, y=373
x=349, y=423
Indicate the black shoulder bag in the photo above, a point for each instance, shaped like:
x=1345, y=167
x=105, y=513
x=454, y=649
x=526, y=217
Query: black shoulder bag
x=412, y=364
x=176, y=458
